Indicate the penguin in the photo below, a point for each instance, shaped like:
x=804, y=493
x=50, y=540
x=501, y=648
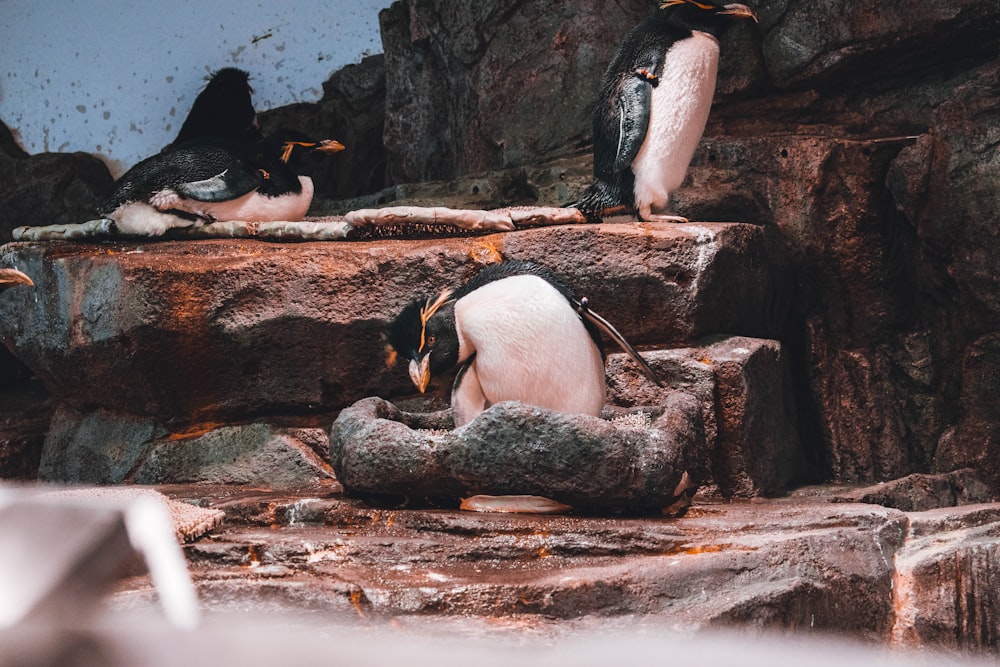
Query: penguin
x=12, y=277
x=223, y=109
x=652, y=108
x=216, y=180
x=515, y=332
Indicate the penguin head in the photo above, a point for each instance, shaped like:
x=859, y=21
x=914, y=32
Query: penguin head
x=224, y=109
x=12, y=277
x=293, y=148
x=705, y=15
x=424, y=333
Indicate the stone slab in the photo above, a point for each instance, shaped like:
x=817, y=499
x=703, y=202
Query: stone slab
x=193, y=332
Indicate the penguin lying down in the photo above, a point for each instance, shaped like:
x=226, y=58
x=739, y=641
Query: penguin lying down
x=201, y=182
x=521, y=340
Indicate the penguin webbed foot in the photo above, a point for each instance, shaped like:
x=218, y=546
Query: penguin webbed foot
x=665, y=218
x=646, y=215
x=514, y=504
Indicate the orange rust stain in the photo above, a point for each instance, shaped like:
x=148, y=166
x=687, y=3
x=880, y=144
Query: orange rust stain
x=689, y=550
x=357, y=601
x=487, y=250
x=253, y=555
x=705, y=360
x=195, y=431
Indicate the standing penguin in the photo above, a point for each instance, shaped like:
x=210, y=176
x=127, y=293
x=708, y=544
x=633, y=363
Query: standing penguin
x=653, y=106
x=223, y=109
x=516, y=333
x=209, y=180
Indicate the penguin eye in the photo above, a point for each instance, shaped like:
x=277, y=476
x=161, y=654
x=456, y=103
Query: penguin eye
x=431, y=340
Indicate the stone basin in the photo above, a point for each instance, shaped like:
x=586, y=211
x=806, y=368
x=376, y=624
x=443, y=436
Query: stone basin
x=631, y=463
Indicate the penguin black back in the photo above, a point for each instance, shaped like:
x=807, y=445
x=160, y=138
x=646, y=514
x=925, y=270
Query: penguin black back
x=224, y=109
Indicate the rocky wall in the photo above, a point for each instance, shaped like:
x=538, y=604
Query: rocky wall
x=868, y=138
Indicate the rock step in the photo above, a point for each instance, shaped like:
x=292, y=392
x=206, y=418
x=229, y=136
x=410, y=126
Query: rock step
x=797, y=563
x=223, y=330
x=735, y=430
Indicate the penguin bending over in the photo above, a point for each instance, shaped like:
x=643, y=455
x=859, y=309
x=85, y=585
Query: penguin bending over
x=516, y=333
x=212, y=179
x=223, y=109
x=12, y=277
x=652, y=108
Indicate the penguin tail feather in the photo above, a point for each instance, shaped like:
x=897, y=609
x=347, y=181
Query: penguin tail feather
x=583, y=309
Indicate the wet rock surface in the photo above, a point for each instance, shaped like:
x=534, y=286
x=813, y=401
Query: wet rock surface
x=798, y=564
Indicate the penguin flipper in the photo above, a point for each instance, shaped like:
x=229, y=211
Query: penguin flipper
x=467, y=396
x=587, y=314
x=634, y=105
x=233, y=182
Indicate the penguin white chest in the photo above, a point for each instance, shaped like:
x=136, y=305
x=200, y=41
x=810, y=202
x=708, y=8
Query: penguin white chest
x=680, y=104
x=255, y=207
x=530, y=346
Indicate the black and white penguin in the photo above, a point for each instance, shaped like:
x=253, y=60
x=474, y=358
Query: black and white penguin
x=217, y=180
x=12, y=277
x=653, y=106
x=223, y=109
x=516, y=333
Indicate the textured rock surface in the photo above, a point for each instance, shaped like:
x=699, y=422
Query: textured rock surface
x=867, y=138
x=49, y=188
x=515, y=449
x=797, y=565
x=475, y=87
x=266, y=328
x=106, y=448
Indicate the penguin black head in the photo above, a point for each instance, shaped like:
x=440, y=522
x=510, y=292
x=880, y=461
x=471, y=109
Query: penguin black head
x=425, y=334
x=12, y=277
x=223, y=109
x=292, y=147
x=703, y=15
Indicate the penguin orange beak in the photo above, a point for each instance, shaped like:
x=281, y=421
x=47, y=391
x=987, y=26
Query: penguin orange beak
x=330, y=146
x=12, y=277
x=325, y=146
x=420, y=372
x=739, y=11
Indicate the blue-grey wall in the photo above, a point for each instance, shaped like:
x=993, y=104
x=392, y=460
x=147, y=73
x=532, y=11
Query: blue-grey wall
x=116, y=78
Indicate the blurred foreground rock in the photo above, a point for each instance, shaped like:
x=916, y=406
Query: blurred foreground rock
x=796, y=565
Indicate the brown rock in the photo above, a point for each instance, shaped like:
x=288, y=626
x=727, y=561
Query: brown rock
x=743, y=388
x=209, y=331
x=49, y=188
x=476, y=88
x=920, y=493
x=947, y=583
